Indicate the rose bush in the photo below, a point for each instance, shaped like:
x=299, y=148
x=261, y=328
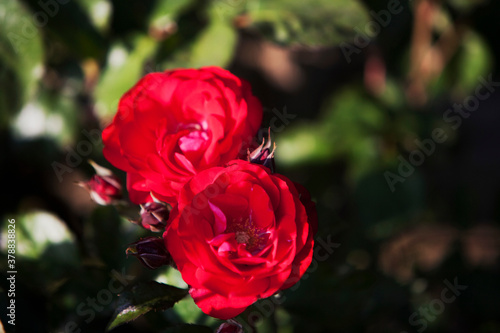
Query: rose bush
x=240, y=233
x=174, y=124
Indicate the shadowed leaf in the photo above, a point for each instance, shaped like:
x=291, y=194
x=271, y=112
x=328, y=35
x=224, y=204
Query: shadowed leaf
x=143, y=298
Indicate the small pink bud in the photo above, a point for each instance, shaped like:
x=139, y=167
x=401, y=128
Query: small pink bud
x=151, y=252
x=104, y=187
x=105, y=190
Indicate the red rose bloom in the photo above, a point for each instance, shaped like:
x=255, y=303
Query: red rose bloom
x=172, y=125
x=238, y=234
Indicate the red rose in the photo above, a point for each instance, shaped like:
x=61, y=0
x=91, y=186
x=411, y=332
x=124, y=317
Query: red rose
x=172, y=125
x=238, y=234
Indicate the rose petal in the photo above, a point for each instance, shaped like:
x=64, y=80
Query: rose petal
x=218, y=306
x=220, y=222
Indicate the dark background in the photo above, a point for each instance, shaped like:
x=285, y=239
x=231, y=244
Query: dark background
x=364, y=85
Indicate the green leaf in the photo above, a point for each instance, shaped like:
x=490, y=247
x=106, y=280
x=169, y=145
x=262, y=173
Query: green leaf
x=228, y=9
x=21, y=57
x=37, y=231
x=98, y=11
x=313, y=22
x=350, y=128
x=171, y=276
x=214, y=46
x=125, y=67
x=143, y=298
x=474, y=61
x=167, y=12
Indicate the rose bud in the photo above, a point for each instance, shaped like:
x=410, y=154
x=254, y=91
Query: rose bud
x=104, y=187
x=263, y=154
x=151, y=252
x=154, y=216
x=231, y=326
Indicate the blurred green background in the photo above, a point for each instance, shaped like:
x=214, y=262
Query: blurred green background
x=353, y=92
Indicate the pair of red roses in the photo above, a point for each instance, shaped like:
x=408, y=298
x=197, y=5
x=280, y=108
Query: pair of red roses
x=237, y=232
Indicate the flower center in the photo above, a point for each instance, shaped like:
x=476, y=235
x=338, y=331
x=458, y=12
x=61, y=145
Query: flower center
x=193, y=141
x=246, y=233
x=242, y=237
